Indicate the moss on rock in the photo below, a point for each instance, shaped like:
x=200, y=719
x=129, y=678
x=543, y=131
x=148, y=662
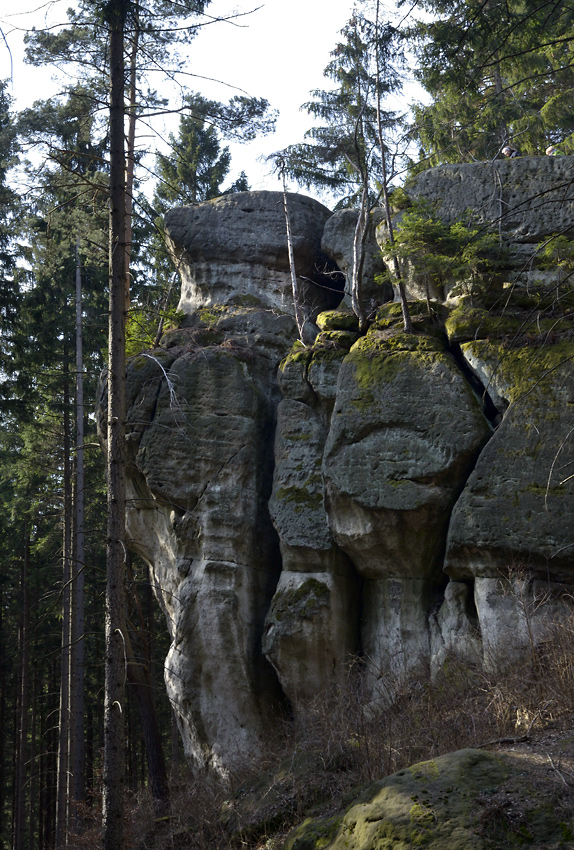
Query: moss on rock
x=303, y=601
x=378, y=358
x=337, y=320
x=436, y=804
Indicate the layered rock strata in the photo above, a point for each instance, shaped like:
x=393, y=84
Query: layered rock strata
x=234, y=250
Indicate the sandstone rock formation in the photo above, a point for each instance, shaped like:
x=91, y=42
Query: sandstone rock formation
x=233, y=250
x=523, y=201
x=398, y=496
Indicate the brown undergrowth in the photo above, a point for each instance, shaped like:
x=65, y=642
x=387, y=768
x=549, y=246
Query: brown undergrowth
x=318, y=760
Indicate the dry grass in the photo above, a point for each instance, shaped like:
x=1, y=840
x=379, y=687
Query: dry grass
x=316, y=762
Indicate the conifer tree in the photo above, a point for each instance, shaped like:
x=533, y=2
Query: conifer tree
x=349, y=151
x=496, y=73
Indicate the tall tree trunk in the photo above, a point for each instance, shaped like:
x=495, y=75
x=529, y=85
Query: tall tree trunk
x=3, y=724
x=78, y=643
x=62, y=793
x=23, y=699
x=113, y=779
x=32, y=755
x=407, y=322
x=131, y=147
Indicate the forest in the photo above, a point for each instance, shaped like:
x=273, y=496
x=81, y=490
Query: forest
x=86, y=280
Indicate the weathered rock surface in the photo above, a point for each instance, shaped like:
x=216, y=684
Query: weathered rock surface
x=201, y=418
x=527, y=199
x=455, y=802
x=233, y=250
x=399, y=496
x=337, y=243
x=523, y=200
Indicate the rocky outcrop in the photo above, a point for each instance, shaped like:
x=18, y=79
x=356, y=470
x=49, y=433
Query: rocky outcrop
x=525, y=199
x=465, y=800
x=400, y=497
x=200, y=436
x=233, y=250
x=522, y=200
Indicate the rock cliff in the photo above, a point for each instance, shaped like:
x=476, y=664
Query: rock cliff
x=397, y=496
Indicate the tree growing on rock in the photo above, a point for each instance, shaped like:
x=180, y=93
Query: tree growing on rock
x=350, y=150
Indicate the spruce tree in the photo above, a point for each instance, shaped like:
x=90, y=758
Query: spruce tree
x=496, y=73
x=349, y=152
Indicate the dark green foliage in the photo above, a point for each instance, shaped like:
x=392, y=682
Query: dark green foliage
x=9, y=209
x=463, y=253
x=496, y=72
x=196, y=166
x=344, y=148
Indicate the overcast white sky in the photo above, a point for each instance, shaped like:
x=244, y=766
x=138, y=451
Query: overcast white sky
x=277, y=52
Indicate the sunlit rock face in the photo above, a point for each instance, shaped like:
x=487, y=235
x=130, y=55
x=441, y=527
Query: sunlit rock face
x=523, y=201
x=201, y=419
x=397, y=498
x=234, y=250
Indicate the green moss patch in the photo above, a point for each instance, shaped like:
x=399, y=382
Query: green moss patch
x=303, y=601
x=379, y=357
x=529, y=372
x=338, y=338
x=337, y=320
x=313, y=834
x=308, y=496
x=431, y=804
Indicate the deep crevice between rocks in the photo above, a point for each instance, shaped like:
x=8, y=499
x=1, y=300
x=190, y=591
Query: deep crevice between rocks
x=490, y=410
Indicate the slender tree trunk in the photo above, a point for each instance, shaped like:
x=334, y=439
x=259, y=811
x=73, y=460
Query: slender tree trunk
x=407, y=322
x=299, y=316
x=62, y=795
x=78, y=683
x=359, y=240
x=131, y=147
x=114, y=768
x=3, y=725
x=22, y=739
x=34, y=765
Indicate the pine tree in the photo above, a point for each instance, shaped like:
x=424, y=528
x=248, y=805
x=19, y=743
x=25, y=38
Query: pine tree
x=196, y=166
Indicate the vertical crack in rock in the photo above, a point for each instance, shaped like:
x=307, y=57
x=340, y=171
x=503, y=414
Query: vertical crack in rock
x=491, y=411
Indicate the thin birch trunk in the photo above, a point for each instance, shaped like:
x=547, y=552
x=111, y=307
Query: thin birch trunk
x=299, y=316
x=359, y=240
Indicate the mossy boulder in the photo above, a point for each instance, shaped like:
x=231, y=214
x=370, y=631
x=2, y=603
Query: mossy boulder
x=510, y=530
x=338, y=320
x=404, y=433
x=460, y=801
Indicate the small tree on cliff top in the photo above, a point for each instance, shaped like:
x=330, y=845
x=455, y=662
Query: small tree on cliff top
x=349, y=151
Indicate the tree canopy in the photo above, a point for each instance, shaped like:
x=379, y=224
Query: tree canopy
x=496, y=73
